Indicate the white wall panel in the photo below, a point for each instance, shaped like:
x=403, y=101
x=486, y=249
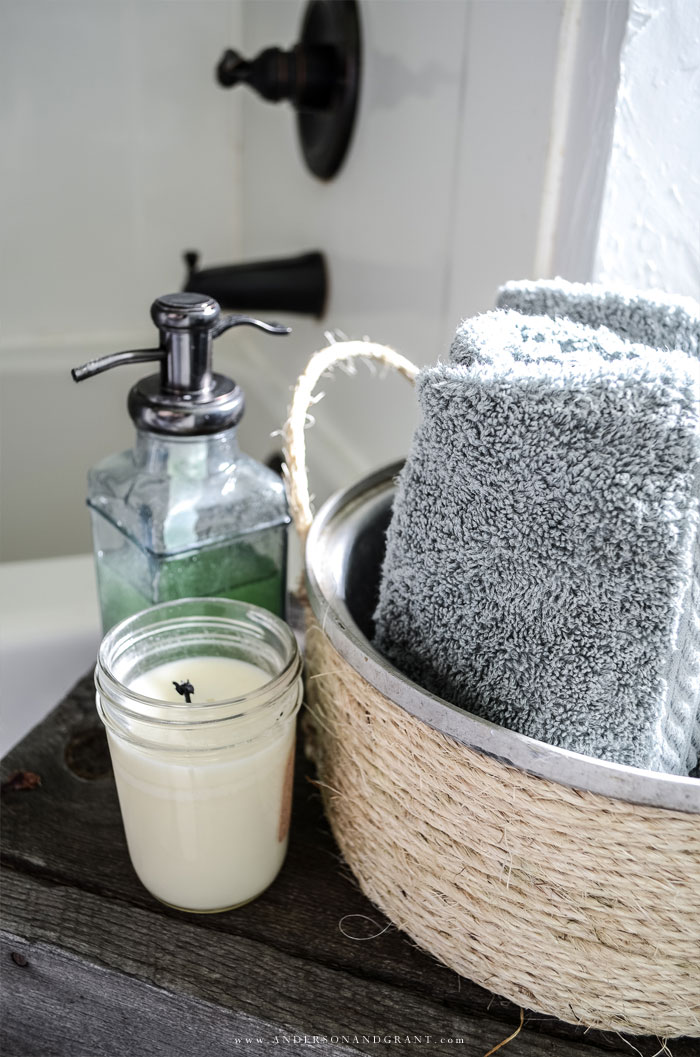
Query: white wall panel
x=118, y=152
x=650, y=228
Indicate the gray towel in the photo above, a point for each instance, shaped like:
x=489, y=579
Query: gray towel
x=542, y=563
x=652, y=318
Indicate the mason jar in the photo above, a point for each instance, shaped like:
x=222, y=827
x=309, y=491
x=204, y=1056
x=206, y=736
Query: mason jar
x=204, y=775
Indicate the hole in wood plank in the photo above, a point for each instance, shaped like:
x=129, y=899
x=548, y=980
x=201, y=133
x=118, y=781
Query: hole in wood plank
x=87, y=754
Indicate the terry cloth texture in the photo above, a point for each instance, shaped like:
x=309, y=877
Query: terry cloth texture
x=542, y=561
x=651, y=318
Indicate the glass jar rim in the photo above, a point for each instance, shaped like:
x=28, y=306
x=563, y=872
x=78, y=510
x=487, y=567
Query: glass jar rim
x=174, y=614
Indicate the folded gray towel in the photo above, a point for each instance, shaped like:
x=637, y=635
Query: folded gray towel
x=542, y=565
x=652, y=318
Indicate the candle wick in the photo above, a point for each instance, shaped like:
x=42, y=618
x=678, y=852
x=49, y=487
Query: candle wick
x=185, y=689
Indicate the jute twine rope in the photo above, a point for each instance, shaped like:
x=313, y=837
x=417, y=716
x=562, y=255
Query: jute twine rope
x=338, y=354
x=566, y=902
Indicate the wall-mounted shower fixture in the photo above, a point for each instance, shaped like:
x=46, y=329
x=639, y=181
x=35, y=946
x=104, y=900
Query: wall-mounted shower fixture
x=320, y=76
x=290, y=284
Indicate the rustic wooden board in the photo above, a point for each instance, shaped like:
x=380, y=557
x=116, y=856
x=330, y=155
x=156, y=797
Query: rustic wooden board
x=267, y=989
x=73, y=1007
x=112, y=971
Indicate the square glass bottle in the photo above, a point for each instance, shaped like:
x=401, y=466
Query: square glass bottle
x=185, y=513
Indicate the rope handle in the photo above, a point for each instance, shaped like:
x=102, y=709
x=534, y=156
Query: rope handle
x=337, y=354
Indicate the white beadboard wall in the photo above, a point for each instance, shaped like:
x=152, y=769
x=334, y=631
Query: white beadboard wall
x=119, y=151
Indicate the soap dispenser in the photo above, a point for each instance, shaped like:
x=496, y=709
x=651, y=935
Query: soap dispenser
x=185, y=512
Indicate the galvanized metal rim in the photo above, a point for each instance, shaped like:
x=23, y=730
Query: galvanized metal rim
x=325, y=586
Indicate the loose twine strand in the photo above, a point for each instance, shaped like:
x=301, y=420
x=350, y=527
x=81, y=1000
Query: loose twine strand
x=362, y=917
x=389, y=925
x=510, y=1037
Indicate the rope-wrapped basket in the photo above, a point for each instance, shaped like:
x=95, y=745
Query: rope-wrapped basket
x=567, y=885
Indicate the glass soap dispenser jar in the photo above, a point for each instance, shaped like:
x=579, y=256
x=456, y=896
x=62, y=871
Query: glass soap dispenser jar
x=185, y=513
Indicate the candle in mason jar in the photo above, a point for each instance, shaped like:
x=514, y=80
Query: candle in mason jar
x=206, y=831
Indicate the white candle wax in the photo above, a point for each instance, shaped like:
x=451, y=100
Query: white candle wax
x=213, y=679
x=206, y=830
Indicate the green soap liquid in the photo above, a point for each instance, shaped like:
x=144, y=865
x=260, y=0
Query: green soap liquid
x=237, y=570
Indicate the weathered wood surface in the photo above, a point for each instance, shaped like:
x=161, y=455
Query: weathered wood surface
x=110, y=971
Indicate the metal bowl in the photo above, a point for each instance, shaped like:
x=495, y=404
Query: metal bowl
x=344, y=553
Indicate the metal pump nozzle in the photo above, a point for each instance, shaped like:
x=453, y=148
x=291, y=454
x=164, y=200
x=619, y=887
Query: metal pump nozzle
x=187, y=398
